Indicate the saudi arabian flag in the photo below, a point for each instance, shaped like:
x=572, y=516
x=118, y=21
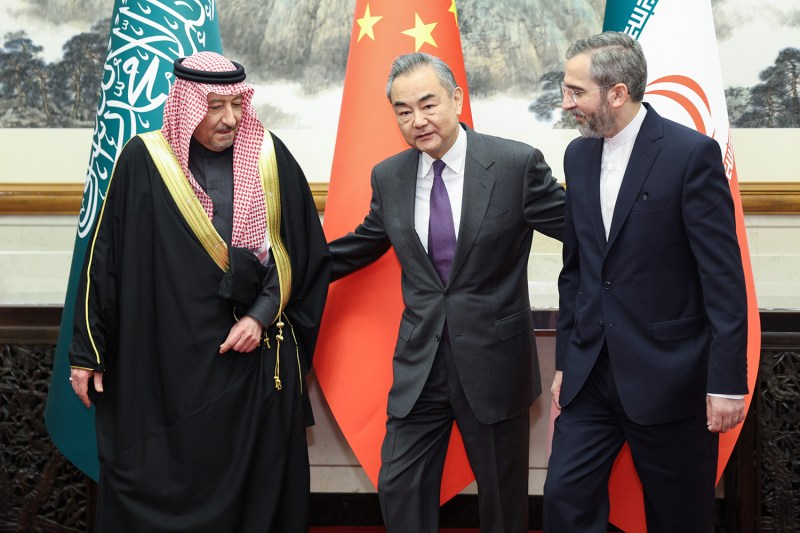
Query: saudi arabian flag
x=146, y=37
x=685, y=85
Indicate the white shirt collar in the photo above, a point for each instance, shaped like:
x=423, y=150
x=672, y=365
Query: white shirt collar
x=454, y=158
x=629, y=132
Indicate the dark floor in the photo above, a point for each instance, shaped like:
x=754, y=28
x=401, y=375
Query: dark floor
x=381, y=529
x=362, y=514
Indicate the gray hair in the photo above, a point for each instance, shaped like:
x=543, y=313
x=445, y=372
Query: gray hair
x=408, y=63
x=614, y=57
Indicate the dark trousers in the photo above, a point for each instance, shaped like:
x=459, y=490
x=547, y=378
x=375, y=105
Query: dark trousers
x=676, y=463
x=413, y=453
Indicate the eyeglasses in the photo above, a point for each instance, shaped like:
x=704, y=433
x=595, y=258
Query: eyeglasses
x=575, y=94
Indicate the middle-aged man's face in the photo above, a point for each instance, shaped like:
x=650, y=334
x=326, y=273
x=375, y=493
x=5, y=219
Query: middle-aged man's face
x=427, y=116
x=217, y=130
x=591, y=109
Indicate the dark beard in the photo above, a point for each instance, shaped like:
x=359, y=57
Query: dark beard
x=599, y=124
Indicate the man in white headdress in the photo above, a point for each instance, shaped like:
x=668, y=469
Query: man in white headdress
x=197, y=317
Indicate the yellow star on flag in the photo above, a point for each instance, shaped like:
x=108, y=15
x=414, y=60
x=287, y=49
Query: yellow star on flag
x=366, y=23
x=453, y=10
x=421, y=33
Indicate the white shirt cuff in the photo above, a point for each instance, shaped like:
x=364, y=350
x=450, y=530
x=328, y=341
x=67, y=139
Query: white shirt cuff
x=728, y=396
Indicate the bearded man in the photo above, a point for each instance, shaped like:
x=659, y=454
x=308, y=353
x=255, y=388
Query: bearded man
x=652, y=331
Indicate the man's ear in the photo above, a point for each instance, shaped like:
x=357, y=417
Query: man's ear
x=458, y=97
x=619, y=95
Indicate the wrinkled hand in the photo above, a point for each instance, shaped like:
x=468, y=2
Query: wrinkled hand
x=555, y=388
x=723, y=414
x=79, y=377
x=244, y=336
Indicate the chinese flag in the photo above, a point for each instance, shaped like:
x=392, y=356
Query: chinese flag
x=685, y=85
x=353, y=360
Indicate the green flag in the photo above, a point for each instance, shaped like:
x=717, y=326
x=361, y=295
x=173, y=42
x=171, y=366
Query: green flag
x=146, y=37
x=629, y=16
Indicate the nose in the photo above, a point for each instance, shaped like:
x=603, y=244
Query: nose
x=567, y=102
x=228, y=116
x=419, y=119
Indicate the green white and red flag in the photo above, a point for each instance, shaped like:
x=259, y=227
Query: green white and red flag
x=685, y=85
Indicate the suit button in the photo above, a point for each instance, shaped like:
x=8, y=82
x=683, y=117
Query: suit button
x=607, y=285
x=438, y=337
x=600, y=324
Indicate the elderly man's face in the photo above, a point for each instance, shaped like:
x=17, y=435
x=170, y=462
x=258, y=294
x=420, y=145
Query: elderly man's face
x=427, y=116
x=218, y=129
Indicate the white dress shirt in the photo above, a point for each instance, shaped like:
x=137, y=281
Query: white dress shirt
x=616, y=154
x=453, y=177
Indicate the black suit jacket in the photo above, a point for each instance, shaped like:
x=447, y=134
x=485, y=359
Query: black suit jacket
x=666, y=292
x=508, y=192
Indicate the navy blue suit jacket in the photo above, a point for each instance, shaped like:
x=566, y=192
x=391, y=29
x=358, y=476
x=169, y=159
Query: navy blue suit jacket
x=666, y=290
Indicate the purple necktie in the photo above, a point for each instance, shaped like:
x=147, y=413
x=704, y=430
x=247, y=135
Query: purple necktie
x=441, y=232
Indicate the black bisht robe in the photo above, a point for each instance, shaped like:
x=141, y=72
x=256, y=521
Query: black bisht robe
x=190, y=440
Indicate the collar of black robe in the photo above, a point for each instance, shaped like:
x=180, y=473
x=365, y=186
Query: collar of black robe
x=198, y=151
x=204, y=76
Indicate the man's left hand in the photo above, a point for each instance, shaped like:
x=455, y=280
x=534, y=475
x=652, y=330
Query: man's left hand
x=244, y=336
x=723, y=414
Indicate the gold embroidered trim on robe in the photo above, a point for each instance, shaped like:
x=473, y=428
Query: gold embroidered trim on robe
x=89, y=275
x=185, y=198
x=192, y=211
x=194, y=214
x=268, y=168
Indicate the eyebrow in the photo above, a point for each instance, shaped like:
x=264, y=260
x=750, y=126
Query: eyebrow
x=222, y=100
x=401, y=103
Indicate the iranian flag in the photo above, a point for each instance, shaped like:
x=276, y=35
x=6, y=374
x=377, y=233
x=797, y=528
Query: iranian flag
x=685, y=85
x=353, y=358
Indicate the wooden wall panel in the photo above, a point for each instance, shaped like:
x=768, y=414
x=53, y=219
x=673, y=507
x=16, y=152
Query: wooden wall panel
x=758, y=198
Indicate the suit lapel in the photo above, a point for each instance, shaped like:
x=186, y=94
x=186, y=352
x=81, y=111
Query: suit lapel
x=645, y=151
x=406, y=175
x=478, y=185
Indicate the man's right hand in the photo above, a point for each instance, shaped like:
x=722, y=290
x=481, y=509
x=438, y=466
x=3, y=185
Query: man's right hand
x=555, y=388
x=244, y=337
x=79, y=377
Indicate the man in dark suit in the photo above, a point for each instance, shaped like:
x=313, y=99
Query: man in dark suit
x=652, y=331
x=459, y=208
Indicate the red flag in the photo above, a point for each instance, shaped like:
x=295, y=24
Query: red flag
x=353, y=361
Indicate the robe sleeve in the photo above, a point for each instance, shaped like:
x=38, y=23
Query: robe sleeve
x=308, y=252
x=266, y=304
x=95, y=324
